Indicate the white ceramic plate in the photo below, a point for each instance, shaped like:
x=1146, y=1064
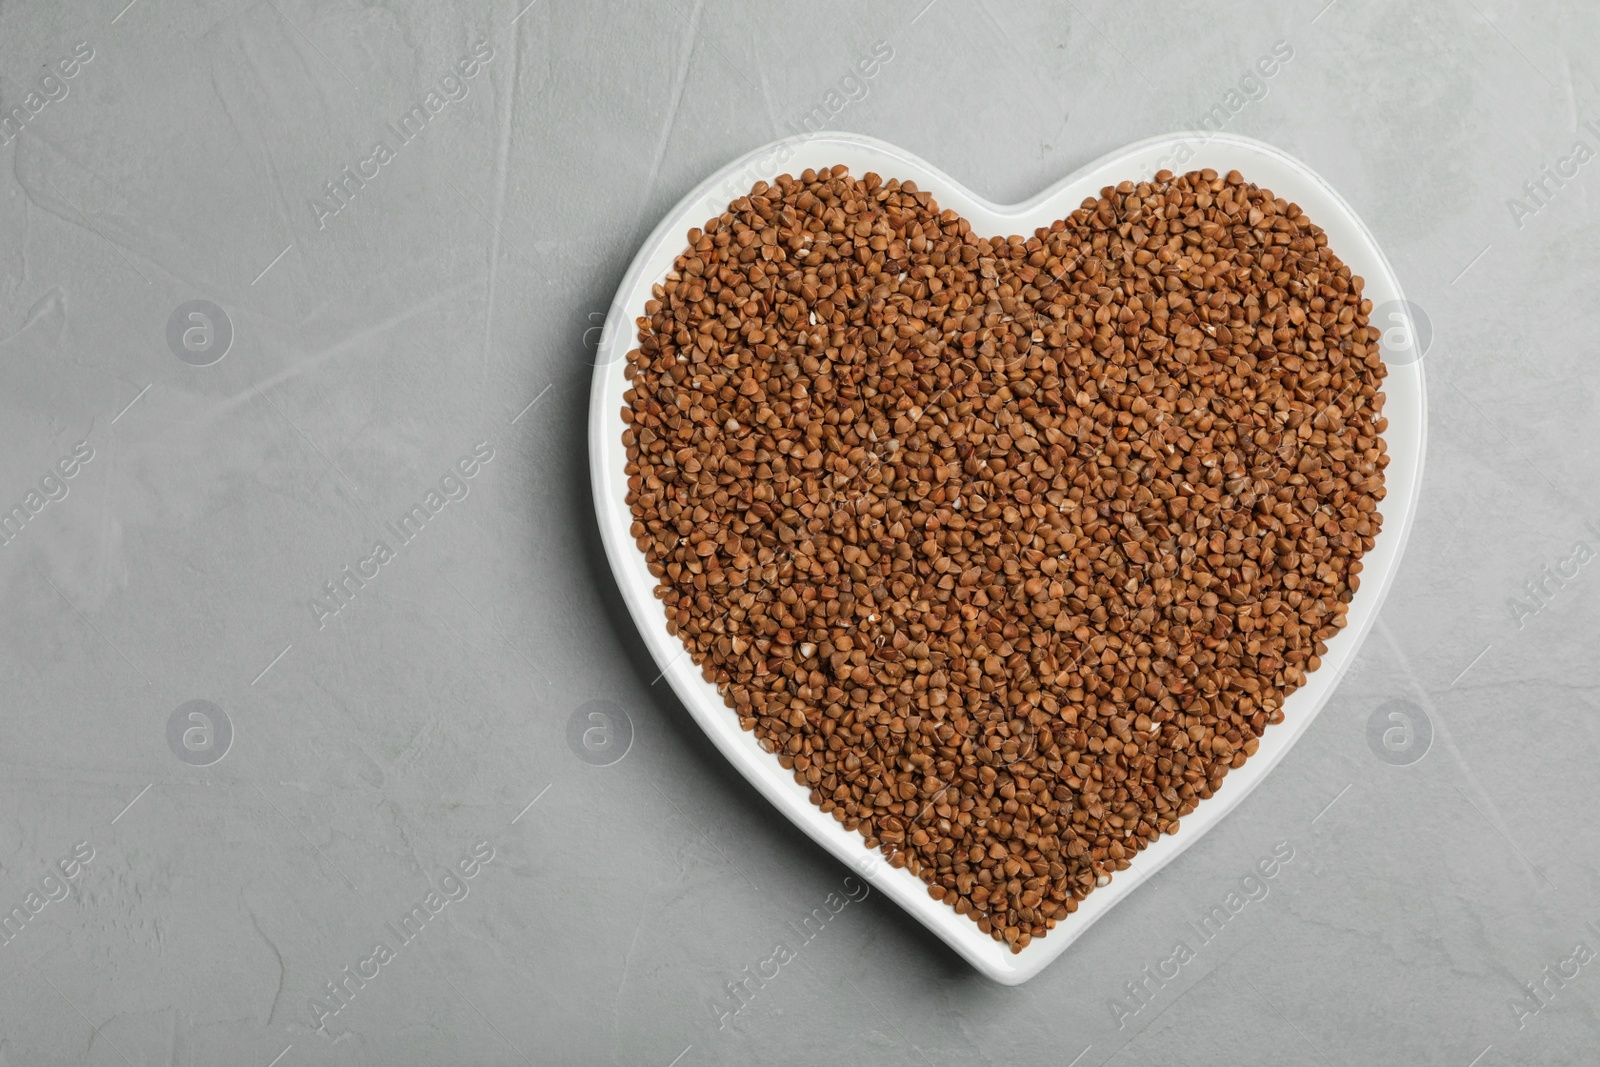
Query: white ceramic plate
x=1405, y=408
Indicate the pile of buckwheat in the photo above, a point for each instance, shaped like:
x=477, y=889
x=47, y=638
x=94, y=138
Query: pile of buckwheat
x=1009, y=548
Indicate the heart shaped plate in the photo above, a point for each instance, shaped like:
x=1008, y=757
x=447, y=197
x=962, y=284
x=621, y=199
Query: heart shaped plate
x=1405, y=409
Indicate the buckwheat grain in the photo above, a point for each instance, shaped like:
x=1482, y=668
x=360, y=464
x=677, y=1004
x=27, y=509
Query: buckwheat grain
x=1009, y=548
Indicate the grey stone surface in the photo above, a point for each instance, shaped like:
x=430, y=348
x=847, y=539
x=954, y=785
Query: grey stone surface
x=373, y=750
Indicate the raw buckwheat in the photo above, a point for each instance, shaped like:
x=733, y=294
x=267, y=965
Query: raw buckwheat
x=1009, y=548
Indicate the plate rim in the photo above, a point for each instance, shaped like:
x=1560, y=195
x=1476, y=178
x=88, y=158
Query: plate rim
x=761, y=769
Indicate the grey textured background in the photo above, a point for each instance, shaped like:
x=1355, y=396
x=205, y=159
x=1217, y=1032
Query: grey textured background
x=457, y=287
